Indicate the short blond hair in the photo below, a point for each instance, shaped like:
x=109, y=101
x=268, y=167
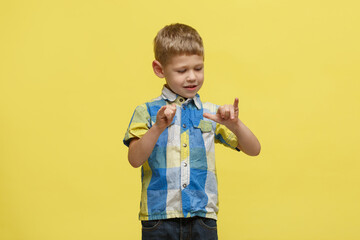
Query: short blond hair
x=177, y=39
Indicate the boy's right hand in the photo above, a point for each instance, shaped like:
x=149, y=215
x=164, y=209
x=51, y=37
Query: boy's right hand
x=165, y=116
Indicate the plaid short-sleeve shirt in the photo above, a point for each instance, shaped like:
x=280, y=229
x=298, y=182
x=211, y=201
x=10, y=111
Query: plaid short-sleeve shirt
x=179, y=178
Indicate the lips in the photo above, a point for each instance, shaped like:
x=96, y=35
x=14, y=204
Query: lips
x=190, y=86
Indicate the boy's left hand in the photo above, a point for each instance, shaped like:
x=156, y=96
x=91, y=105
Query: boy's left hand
x=227, y=115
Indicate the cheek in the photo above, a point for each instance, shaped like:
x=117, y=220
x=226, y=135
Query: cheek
x=201, y=75
x=178, y=80
x=175, y=83
x=201, y=83
x=201, y=78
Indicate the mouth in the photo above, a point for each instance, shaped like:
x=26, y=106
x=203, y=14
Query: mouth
x=191, y=87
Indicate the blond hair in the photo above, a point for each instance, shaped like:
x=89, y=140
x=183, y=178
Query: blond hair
x=177, y=39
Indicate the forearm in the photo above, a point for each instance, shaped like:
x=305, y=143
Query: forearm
x=247, y=141
x=141, y=149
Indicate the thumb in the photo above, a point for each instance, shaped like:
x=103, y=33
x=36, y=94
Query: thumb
x=211, y=117
x=161, y=111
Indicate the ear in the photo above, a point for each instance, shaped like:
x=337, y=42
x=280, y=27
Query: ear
x=158, y=69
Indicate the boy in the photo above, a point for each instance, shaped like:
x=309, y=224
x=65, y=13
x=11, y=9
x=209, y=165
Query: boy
x=172, y=137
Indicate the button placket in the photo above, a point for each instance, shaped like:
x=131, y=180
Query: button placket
x=185, y=174
x=185, y=151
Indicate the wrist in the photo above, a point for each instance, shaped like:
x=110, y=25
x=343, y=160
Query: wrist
x=235, y=126
x=158, y=128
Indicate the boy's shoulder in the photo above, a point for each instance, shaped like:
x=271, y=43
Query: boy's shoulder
x=150, y=106
x=158, y=101
x=209, y=107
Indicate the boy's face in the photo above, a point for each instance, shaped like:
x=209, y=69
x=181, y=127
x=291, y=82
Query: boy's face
x=184, y=74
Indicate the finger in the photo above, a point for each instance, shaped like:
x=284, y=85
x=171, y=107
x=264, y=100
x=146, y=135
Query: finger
x=236, y=104
x=169, y=112
x=161, y=111
x=227, y=112
x=232, y=115
x=174, y=111
x=172, y=106
x=211, y=117
x=221, y=111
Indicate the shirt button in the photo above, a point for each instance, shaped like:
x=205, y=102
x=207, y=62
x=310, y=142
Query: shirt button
x=181, y=99
x=184, y=125
x=185, y=164
x=184, y=145
x=184, y=185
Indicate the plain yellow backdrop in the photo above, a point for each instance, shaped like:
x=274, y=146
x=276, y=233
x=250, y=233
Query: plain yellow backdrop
x=72, y=72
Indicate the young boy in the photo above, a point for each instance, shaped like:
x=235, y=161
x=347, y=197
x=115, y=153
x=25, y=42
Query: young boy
x=172, y=137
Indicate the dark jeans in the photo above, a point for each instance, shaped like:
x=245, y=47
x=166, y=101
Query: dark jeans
x=195, y=228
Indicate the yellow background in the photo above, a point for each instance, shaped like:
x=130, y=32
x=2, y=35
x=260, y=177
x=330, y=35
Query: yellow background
x=72, y=72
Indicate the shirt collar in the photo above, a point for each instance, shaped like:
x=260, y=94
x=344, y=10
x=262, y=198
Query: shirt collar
x=169, y=95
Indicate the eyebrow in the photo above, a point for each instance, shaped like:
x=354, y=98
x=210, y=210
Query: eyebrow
x=186, y=66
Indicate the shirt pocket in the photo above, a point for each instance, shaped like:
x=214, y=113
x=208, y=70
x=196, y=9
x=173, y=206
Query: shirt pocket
x=204, y=126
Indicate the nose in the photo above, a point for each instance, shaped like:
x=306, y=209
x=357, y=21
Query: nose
x=191, y=76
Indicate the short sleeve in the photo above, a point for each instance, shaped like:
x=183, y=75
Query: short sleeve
x=224, y=136
x=139, y=124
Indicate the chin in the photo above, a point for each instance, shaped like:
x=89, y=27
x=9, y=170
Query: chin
x=189, y=95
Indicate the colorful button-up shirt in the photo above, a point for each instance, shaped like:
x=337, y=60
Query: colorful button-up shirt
x=179, y=178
